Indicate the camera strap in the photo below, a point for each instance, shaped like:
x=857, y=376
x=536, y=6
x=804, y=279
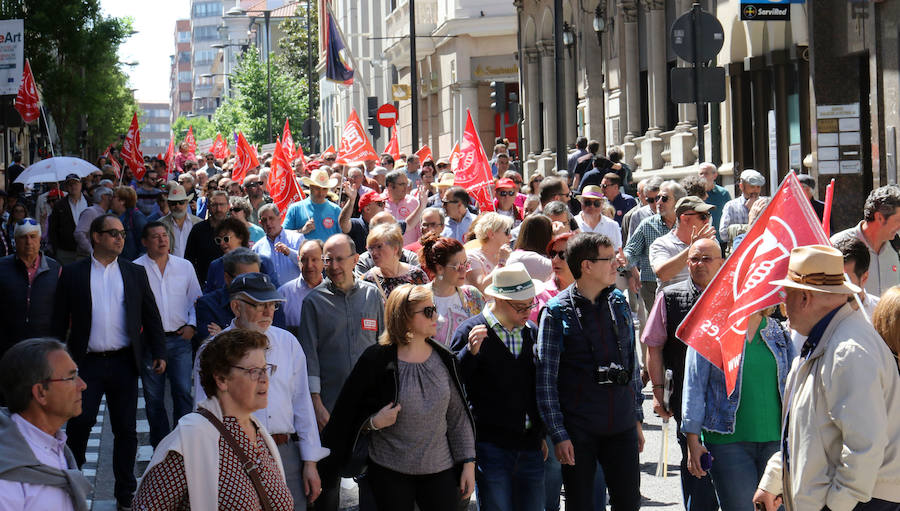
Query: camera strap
x=615, y=329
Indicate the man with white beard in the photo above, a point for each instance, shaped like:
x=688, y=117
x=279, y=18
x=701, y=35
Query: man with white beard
x=179, y=221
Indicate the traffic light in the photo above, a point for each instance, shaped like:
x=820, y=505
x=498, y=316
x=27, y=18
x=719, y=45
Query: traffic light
x=513, y=107
x=372, y=109
x=498, y=97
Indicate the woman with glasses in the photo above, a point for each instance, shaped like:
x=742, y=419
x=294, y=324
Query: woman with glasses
x=200, y=464
x=124, y=205
x=445, y=261
x=405, y=401
x=534, y=184
x=493, y=232
x=531, y=247
x=560, y=278
x=231, y=234
x=240, y=209
x=385, y=244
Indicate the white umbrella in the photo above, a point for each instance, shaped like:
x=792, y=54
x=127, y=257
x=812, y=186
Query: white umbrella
x=55, y=169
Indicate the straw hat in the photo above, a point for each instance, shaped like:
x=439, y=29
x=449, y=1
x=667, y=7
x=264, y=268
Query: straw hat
x=320, y=178
x=513, y=282
x=591, y=192
x=446, y=180
x=817, y=268
x=176, y=192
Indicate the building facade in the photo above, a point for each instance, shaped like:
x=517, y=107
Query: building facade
x=181, y=78
x=155, y=128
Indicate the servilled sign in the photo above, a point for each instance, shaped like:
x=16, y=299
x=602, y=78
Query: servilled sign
x=770, y=10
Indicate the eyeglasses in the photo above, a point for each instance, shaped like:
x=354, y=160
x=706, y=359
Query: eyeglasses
x=220, y=239
x=592, y=203
x=651, y=200
x=428, y=312
x=115, y=233
x=537, y=180
x=29, y=221
x=703, y=216
x=604, y=185
x=264, y=306
x=663, y=198
x=335, y=260
x=521, y=309
x=703, y=259
x=553, y=253
x=459, y=267
x=450, y=202
x=72, y=378
x=510, y=193
x=605, y=259
x=256, y=372
x=429, y=225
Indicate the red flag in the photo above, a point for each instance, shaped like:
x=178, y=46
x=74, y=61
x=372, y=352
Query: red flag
x=454, y=158
x=298, y=153
x=474, y=171
x=245, y=159
x=424, y=153
x=393, y=147
x=131, y=149
x=113, y=161
x=169, y=158
x=329, y=150
x=27, y=98
x=220, y=148
x=287, y=140
x=189, y=140
x=355, y=145
x=282, y=184
x=717, y=324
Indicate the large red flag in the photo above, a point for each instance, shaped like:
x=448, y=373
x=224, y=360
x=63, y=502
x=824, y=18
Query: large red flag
x=27, y=98
x=393, y=147
x=282, y=183
x=474, y=171
x=169, y=158
x=245, y=159
x=717, y=324
x=113, y=161
x=189, y=140
x=355, y=145
x=287, y=140
x=220, y=148
x=131, y=149
x=424, y=153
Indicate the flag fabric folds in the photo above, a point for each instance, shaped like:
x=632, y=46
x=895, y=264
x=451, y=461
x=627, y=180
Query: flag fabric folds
x=113, y=161
x=190, y=141
x=169, y=158
x=282, y=183
x=717, y=324
x=473, y=169
x=27, y=102
x=424, y=154
x=338, y=61
x=220, y=148
x=245, y=159
x=393, y=147
x=454, y=158
x=131, y=149
x=287, y=141
x=355, y=145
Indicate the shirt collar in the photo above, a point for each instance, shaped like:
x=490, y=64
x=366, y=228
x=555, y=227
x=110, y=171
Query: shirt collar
x=815, y=335
x=494, y=323
x=50, y=442
x=100, y=266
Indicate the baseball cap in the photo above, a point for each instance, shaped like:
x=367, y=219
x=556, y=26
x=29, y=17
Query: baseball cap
x=370, y=197
x=256, y=286
x=691, y=203
x=506, y=183
x=74, y=177
x=753, y=178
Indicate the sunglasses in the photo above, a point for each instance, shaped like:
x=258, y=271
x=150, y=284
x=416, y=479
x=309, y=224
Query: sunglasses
x=236, y=210
x=651, y=200
x=220, y=239
x=553, y=253
x=178, y=202
x=29, y=221
x=459, y=267
x=428, y=312
x=663, y=198
x=115, y=233
x=593, y=203
x=507, y=194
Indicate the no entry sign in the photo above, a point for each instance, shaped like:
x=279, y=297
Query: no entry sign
x=387, y=115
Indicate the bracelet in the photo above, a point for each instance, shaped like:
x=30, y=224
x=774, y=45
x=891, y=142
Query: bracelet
x=659, y=386
x=372, y=424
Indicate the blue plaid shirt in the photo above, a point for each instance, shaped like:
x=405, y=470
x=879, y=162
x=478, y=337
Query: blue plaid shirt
x=637, y=250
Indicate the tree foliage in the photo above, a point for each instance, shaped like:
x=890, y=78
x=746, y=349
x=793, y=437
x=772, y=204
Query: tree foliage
x=73, y=52
x=296, y=52
x=246, y=109
x=203, y=128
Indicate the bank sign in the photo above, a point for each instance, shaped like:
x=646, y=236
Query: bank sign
x=771, y=10
x=12, y=50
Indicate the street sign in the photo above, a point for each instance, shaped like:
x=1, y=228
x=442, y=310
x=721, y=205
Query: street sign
x=765, y=12
x=387, y=115
x=712, y=84
x=400, y=91
x=712, y=37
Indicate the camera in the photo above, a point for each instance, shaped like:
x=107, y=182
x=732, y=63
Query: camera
x=613, y=374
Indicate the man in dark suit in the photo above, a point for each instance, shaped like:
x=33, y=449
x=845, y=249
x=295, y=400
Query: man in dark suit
x=64, y=219
x=114, y=296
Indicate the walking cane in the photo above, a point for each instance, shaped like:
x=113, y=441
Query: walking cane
x=662, y=466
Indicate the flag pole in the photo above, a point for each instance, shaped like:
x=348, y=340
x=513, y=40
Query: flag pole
x=47, y=127
x=829, y=200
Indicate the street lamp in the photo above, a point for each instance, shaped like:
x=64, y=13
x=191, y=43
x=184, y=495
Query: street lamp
x=599, y=23
x=237, y=11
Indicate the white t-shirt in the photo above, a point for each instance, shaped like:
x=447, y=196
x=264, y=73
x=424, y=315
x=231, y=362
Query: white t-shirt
x=450, y=315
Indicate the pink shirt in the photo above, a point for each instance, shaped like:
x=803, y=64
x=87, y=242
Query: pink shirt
x=550, y=290
x=401, y=210
x=655, y=334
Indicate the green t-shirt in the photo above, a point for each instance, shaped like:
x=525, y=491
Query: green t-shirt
x=759, y=410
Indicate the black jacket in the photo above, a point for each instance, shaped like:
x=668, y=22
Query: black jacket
x=373, y=383
x=26, y=308
x=201, y=249
x=61, y=230
x=501, y=387
x=72, y=310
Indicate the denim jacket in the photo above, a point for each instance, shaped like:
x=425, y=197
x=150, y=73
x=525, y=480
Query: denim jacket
x=705, y=402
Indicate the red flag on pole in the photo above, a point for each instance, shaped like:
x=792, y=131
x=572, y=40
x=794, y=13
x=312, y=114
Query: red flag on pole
x=282, y=183
x=220, y=148
x=474, y=170
x=113, y=161
x=454, y=158
x=393, y=147
x=355, y=145
x=189, y=140
x=131, y=149
x=287, y=141
x=424, y=153
x=330, y=149
x=829, y=200
x=169, y=158
x=298, y=153
x=245, y=159
x=717, y=324
x=27, y=98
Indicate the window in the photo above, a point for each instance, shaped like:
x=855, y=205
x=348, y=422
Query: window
x=185, y=95
x=205, y=33
x=184, y=76
x=184, y=56
x=206, y=9
x=184, y=37
x=156, y=128
x=204, y=57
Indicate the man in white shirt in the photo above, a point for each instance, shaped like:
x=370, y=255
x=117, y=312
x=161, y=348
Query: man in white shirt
x=179, y=220
x=175, y=288
x=592, y=219
x=40, y=384
x=856, y=266
x=289, y=416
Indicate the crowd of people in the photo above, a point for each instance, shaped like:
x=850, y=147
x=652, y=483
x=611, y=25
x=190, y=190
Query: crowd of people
x=389, y=328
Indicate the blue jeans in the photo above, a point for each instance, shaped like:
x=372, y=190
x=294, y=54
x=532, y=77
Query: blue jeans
x=553, y=482
x=509, y=479
x=736, y=471
x=178, y=369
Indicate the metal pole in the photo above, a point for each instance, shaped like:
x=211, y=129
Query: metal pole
x=701, y=122
x=559, y=61
x=309, y=64
x=413, y=78
x=268, y=81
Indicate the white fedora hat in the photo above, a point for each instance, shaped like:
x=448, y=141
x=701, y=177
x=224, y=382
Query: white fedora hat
x=320, y=178
x=513, y=282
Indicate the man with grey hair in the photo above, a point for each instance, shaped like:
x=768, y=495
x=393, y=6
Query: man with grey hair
x=716, y=194
x=179, y=221
x=253, y=187
x=102, y=197
x=400, y=203
x=28, y=281
x=40, y=385
x=433, y=221
x=412, y=170
x=280, y=245
x=648, y=190
x=357, y=179
x=737, y=210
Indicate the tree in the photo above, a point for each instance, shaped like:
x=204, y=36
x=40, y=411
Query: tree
x=203, y=128
x=297, y=51
x=246, y=109
x=73, y=52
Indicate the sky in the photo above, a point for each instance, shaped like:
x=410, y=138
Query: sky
x=151, y=47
